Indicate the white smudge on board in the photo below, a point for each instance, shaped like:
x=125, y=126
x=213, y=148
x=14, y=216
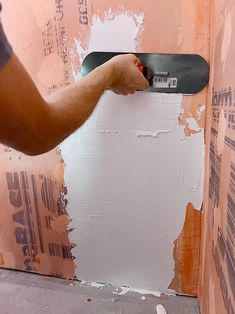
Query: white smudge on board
x=161, y=309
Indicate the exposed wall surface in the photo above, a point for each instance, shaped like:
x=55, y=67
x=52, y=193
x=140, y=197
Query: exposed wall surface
x=134, y=172
x=34, y=221
x=217, y=290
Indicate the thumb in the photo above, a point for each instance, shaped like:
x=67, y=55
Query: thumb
x=144, y=83
x=142, y=80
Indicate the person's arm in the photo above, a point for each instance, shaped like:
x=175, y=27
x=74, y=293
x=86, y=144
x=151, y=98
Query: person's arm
x=35, y=125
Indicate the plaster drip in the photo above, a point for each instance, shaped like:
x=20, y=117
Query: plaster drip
x=97, y=285
x=153, y=134
x=160, y=309
x=120, y=290
x=138, y=133
x=125, y=290
x=108, y=132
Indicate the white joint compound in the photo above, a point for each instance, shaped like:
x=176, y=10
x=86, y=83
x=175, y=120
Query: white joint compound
x=130, y=173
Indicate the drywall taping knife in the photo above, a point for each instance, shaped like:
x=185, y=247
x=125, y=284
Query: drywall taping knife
x=167, y=73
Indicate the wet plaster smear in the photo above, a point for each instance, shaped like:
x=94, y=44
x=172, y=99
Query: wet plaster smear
x=130, y=173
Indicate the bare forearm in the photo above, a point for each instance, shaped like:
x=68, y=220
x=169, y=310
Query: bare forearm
x=35, y=125
x=72, y=106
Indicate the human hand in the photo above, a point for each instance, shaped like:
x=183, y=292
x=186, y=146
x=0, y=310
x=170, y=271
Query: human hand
x=126, y=77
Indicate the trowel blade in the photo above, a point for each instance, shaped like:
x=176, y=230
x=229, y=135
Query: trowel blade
x=186, y=73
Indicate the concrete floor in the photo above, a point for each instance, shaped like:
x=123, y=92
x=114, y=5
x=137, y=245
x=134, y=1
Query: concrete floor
x=33, y=294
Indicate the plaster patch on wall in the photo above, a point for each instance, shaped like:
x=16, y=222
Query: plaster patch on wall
x=128, y=180
x=193, y=125
x=148, y=113
x=106, y=12
x=134, y=181
x=108, y=31
x=192, y=117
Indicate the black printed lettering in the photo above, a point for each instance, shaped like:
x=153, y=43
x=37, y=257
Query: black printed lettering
x=83, y=12
x=19, y=217
x=21, y=235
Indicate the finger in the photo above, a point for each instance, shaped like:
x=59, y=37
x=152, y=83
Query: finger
x=136, y=60
x=115, y=91
x=125, y=93
x=132, y=91
x=143, y=83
